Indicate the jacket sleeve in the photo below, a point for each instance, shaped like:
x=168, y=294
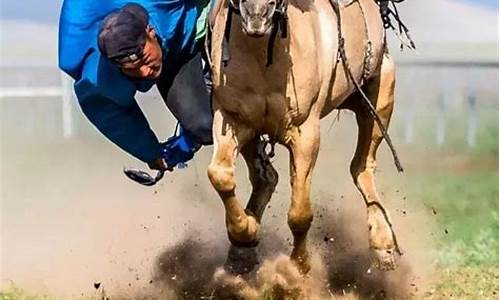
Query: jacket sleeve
x=107, y=100
x=125, y=126
x=104, y=94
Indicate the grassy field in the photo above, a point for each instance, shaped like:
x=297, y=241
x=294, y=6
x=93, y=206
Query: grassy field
x=464, y=200
x=466, y=207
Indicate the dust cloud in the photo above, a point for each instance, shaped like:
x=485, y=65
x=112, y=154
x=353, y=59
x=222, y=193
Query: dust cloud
x=340, y=260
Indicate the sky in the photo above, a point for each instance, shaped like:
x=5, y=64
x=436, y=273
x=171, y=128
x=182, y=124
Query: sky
x=48, y=12
x=488, y=3
x=469, y=26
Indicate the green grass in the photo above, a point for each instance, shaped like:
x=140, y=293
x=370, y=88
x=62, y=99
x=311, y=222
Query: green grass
x=460, y=185
x=15, y=293
x=466, y=207
x=465, y=283
x=464, y=200
x=467, y=256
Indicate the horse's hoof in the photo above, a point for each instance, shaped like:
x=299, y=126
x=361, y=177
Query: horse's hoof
x=384, y=259
x=382, y=240
x=302, y=262
x=241, y=260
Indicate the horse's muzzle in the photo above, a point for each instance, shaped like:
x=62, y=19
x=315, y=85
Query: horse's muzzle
x=256, y=28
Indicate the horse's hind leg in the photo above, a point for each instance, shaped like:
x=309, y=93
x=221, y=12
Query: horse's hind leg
x=303, y=149
x=380, y=90
x=263, y=177
x=229, y=138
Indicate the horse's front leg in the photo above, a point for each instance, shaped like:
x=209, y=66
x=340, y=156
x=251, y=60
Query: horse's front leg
x=229, y=138
x=303, y=147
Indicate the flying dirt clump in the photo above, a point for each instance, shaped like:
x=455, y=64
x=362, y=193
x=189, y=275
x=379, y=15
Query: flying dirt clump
x=341, y=267
x=188, y=267
x=277, y=278
x=341, y=238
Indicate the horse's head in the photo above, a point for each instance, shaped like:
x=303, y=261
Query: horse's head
x=257, y=15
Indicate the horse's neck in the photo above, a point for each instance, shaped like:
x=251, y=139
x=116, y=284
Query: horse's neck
x=243, y=45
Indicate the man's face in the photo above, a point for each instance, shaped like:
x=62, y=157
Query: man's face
x=149, y=66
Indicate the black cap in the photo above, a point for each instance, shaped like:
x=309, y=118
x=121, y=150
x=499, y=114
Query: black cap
x=123, y=33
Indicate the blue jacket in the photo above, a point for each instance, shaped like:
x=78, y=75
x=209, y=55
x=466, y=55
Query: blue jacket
x=105, y=95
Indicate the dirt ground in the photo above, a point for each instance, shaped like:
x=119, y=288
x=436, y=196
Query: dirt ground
x=74, y=227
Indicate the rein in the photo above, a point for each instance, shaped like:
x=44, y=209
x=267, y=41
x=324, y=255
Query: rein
x=368, y=103
x=403, y=32
x=280, y=21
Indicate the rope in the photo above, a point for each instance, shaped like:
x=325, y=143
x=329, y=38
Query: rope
x=403, y=33
x=367, y=102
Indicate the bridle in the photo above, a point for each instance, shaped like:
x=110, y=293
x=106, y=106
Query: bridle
x=279, y=21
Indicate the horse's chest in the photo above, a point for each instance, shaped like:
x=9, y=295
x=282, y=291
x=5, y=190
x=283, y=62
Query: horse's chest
x=253, y=102
x=282, y=93
x=266, y=96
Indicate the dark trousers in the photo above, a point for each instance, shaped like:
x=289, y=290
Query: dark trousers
x=187, y=94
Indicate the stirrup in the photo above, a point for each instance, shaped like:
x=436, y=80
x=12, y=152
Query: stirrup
x=143, y=177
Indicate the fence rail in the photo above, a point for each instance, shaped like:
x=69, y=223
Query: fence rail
x=449, y=64
x=64, y=92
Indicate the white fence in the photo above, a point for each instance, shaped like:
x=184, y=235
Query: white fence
x=62, y=89
x=467, y=89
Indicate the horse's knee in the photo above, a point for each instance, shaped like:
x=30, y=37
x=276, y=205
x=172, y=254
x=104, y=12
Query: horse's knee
x=299, y=220
x=221, y=177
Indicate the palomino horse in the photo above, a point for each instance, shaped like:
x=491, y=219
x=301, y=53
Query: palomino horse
x=286, y=101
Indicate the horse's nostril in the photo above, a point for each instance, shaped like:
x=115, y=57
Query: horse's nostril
x=389, y=251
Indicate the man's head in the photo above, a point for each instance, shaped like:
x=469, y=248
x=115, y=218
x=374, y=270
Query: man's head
x=127, y=39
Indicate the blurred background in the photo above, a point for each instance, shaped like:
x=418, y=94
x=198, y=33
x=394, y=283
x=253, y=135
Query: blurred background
x=69, y=218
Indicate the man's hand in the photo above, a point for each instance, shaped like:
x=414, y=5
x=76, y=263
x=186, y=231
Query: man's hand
x=159, y=164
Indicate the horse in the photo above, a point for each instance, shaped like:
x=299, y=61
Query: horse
x=285, y=100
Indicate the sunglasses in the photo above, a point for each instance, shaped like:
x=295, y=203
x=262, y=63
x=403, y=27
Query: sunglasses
x=130, y=56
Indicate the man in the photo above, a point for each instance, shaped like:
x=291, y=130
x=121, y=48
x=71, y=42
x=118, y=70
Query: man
x=114, y=48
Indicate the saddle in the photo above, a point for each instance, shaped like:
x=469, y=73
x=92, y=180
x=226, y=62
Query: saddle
x=219, y=21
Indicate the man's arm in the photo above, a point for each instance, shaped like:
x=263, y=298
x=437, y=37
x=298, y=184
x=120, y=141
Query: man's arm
x=125, y=126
